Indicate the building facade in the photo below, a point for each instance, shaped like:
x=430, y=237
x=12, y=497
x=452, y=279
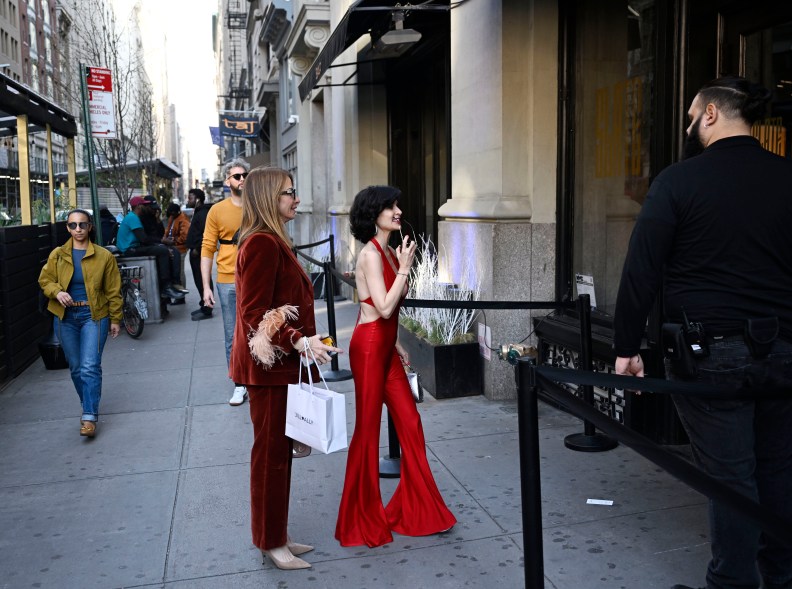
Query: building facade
x=523, y=133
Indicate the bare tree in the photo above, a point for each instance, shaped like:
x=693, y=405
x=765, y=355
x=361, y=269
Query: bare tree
x=96, y=39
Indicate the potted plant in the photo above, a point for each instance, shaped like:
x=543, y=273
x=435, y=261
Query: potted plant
x=441, y=346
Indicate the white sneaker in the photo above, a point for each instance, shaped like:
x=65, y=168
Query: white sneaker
x=238, y=397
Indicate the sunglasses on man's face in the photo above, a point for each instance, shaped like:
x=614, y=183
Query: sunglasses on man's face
x=240, y=176
x=81, y=225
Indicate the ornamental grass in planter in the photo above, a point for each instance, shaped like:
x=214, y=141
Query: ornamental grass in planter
x=439, y=341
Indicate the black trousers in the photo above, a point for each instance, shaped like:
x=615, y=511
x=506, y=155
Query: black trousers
x=195, y=265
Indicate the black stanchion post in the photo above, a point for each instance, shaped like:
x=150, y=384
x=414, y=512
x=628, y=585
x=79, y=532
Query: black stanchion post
x=589, y=440
x=334, y=374
x=390, y=465
x=530, y=479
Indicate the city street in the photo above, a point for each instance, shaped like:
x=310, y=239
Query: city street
x=160, y=497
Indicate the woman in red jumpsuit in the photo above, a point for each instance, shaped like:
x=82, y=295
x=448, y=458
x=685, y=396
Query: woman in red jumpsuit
x=375, y=356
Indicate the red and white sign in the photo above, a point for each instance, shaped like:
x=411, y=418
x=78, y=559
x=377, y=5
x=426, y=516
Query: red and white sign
x=100, y=102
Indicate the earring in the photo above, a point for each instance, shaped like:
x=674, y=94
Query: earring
x=376, y=228
x=706, y=125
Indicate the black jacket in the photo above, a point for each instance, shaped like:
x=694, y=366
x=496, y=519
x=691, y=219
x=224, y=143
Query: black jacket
x=197, y=224
x=718, y=228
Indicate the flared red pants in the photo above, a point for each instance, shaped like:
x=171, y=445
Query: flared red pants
x=416, y=508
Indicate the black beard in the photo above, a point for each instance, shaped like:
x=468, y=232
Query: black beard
x=693, y=145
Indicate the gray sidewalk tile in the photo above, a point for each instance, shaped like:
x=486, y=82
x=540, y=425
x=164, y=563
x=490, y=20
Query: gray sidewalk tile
x=54, y=451
x=448, y=566
x=653, y=550
x=210, y=384
x=93, y=533
x=219, y=435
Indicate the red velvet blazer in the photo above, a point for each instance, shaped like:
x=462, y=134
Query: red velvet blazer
x=269, y=276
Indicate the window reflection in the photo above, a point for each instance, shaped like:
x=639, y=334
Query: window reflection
x=614, y=89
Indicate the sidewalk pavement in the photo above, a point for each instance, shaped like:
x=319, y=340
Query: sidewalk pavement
x=160, y=497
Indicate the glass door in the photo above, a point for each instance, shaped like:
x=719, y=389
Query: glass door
x=615, y=61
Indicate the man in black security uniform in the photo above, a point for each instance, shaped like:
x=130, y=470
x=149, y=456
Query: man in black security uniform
x=717, y=228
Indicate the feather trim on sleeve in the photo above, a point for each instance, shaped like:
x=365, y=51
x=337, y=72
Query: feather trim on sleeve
x=260, y=340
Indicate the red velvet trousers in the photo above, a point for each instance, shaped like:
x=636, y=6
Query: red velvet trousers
x=416, y=508
x=270, y=466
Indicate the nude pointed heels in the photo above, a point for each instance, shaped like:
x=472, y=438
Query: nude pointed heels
x=283, y=558
x=296, y=548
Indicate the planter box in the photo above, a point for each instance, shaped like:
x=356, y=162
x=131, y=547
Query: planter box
x=446, y=371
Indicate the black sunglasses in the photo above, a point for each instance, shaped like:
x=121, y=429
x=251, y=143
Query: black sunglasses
x=240, y=176
x=82, y=224
x=289, y=192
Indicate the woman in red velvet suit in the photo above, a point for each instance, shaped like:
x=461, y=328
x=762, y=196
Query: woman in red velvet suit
x=416, y=508
x=274, y=325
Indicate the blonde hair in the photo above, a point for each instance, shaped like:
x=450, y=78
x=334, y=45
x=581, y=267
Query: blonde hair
x=260, y=195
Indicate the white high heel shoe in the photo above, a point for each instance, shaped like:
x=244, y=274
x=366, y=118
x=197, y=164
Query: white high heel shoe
x=283, y=558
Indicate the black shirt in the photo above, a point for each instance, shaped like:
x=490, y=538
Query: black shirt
x=718, y=227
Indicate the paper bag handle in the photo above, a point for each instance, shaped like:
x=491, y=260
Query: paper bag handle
x=307, y=350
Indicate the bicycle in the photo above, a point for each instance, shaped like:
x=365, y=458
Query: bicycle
x=135, y=308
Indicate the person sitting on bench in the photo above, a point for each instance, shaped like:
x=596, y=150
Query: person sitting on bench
x=133, y=241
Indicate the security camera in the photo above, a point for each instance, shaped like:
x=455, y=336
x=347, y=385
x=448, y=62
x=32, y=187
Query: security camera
x=294, y=119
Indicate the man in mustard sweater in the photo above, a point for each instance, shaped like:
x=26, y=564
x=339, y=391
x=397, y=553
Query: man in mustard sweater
x=220, y=235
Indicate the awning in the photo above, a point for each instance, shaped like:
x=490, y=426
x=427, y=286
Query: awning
x=365, y=16
x=17, y=99
x=163, y=168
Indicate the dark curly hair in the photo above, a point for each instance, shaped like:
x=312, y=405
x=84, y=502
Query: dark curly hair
x=368, y=205
x=737, y=97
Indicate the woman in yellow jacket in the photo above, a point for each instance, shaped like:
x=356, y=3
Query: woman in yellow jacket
x=83, y=283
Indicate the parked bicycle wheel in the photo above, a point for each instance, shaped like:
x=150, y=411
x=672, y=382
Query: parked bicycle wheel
x=133, y=322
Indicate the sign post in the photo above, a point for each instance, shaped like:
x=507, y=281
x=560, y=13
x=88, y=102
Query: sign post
x=96, y=87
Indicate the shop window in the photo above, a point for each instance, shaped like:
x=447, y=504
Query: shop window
x=613, y=94
x=768, y=61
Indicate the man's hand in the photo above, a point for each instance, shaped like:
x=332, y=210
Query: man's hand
x=632, y=366
x=115, y=328
x=208, y=298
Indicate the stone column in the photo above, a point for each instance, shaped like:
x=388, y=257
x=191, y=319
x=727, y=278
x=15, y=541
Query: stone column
x=501, y=218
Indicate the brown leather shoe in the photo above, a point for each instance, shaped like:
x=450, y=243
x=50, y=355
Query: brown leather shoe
x=88, y=428
x=300, y=450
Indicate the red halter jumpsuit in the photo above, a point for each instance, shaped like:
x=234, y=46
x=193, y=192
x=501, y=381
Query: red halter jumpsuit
x=416, y=508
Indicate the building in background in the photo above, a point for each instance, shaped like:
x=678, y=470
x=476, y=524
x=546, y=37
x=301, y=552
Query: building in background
x=523, y=133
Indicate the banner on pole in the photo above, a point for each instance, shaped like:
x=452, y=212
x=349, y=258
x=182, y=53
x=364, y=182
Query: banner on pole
x=239, y=126
x=99, y=81
x=216, y=138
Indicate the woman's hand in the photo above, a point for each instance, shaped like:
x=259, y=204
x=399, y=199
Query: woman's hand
x=115, y=329
x=405, y=357
x=406, y=254
x=320, y=350
x=64, y=298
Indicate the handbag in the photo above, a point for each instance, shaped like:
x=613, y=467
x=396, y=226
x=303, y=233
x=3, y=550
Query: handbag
x=414, y=380
x=315, y=416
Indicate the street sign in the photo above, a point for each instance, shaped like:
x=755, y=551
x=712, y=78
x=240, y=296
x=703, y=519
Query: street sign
x=100, y=102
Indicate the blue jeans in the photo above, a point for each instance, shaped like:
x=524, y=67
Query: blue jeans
x=747, y=445
x=83, y=340
x=226, y=293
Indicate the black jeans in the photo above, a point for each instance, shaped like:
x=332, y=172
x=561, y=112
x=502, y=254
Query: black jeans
x=165, y=263
x=195, y=265
x=746, y=444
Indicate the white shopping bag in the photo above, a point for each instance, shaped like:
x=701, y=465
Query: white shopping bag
x=316, y=416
